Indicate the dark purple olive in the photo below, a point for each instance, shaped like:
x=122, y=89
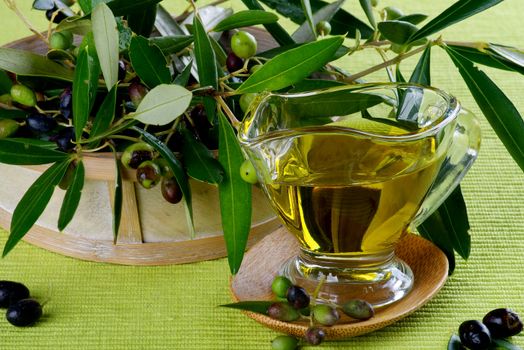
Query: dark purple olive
x=66, y=103
x=65, y=138
x=171, y=190
x=60, y=16
x=234, y=63
x=40, y=123
x=474, y=335
x=24, y=312
x=148, y=174
x=502, y=323
x=137, y=92
x=136, y=154
x=11, y=292
x=297, y=297
x=315, y=335
x=121, y=70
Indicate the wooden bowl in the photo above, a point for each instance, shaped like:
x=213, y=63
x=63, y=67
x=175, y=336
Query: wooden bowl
x=262, y=263
x=153, y=232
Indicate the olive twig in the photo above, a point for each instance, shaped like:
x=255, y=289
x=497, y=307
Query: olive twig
x=382, y=54
x=124, y=137
x=12, y=6
x=172, y=130
x=234, y=121
x=106, y=144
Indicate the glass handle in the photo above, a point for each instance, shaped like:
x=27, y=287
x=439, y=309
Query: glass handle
x=461, y=155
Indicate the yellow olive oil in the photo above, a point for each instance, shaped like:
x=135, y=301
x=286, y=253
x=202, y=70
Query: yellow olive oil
x=345, y=195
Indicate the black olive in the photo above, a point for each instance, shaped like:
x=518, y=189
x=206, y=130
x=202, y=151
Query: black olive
x=502, y=323
x=40, y=123
x=11, y=292
x=315, y=335
x=24, y=312
x=474, y=335
x=121, y=70
x=60, y=16
x=171, y=190
x=66, y=103
x=65, y=139
x=297, y=297
x=234, y=63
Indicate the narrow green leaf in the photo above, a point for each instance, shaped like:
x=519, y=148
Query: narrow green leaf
x=20, y=152
x=398, y=75
x=149, y=62
x=220, y=54
x=178, y=171
x=142, y=21
x=166, y=24
x=397, y=32
x=503, y=344
x=106, y=39
x=292, y=66
x=414, y=18
x=75, y=25
x=183, y=78
x=245, y=19
x=199, y=160
x=105, y=116
x=125, y=7
x=498, y=109
x=172, y=44
x=510, y=54
x=234, y=194
x=457, y=12
x=422, y=72
x=5, y=83
x=204, y=54
x=85, y=6
x=36, y=142
x=488, y=58
x=85, y=84
x=27, y=63
x=163, y=104
x=33, y=203
x=258, y=306
x=304, y=34
x=441, y=241
x=12, y=114
x=113, y=131
x=72, y=197
x=368, y=10
x=315, y=84
x=117, y=197
x=276, y=31
x=60, y=55
x=306, y=7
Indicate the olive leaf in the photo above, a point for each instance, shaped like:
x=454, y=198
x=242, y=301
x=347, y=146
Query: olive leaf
x=60, y=55
x=199, y=160
x=5, y=83
x=85, y=84
x=142, y=21
x=234, y=194
x=125, y=7
x=183, y=78
x=36, y=142
x=368, y=10
x=314, y=84
x=276, y=31
x=106, y=39
x=178, y=171
x=165, y=23
x=304, y=34
x=414, y=18
x=397, y=32
x=33, y=203
x=172, y=43
x=457, y=12
x=75, y=25
x=258, y=306
x=245, y=19
x=72, y=197
x=309, y=22
x=292, y=66
x=27, y=152
x=12, y=113
x=485, y=57
x=117, y=196
x=26, y=63
x=163, y=104
x=149, y=62
x=510, y=54
x=105, y=116
x=498, y=109
x=207, y=70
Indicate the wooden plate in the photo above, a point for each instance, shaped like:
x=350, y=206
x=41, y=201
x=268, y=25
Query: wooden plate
x=262, y=262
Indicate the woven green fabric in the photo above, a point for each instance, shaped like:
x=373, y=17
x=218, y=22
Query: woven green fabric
x=102, y=306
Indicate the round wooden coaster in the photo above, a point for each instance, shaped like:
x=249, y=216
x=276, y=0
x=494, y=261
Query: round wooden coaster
x=262, y=263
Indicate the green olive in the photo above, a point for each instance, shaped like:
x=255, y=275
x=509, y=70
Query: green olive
x=246, y=100
x=280, y=286
x=323, y=28
x=255, y=68
x=148, y=174
x=61, y=40
x=7, y=128
x=135, y=154
x=374, y=3
x=283, y=312
x=358, y=309
x=325, y=315
x=284, y=342
x=247, y=172
x=23, y=95
x=243, y=44
x=6, y=99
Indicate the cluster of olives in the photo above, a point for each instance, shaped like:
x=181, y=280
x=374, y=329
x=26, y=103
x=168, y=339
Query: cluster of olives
x=150, y=170
x=37, y=123
x=496, y=324
x=295, y=303
x=22, y=311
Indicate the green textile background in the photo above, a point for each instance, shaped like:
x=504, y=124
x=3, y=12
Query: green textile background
x=102, y=306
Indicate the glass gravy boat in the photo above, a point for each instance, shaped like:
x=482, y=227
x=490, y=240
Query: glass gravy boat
x=351, y=170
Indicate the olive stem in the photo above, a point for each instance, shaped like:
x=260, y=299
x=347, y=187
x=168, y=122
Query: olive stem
x=106, y=144
x=172, y=131
x=388, y=68
x=12, y=6
x=234, y=121
x=124, y=137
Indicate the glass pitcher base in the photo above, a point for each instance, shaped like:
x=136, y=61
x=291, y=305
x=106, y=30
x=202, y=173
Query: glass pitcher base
x=380, y=285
